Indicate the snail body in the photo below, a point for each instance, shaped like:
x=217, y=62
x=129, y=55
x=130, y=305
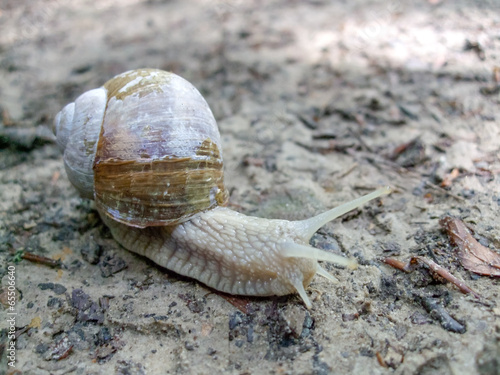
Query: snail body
x=147, y=149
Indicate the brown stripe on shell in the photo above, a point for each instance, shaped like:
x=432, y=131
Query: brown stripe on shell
x=145, y=193
x=158, y=158
x=149, y=82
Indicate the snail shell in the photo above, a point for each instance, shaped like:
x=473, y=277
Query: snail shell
x=146, y=148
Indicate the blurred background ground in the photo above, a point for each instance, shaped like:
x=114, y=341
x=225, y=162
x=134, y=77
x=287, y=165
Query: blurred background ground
x=318, y=102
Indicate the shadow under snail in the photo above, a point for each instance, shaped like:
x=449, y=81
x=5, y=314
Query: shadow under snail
x=145, y=146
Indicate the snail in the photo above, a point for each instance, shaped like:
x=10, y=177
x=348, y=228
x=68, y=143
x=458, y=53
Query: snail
x=146, y=148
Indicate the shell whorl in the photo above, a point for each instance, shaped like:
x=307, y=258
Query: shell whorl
x=146, y=147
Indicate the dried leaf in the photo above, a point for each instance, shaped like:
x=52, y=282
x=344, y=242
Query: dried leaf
x=61, y=349
x=448, y=179
x=472, y=255
x=410, y=154
x=36, y=322
x=240, y=302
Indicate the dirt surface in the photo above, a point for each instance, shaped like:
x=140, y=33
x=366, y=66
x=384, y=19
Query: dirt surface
x=318, y=102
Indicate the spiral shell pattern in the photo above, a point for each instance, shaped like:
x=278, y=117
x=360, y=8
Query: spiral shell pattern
x=145, y=147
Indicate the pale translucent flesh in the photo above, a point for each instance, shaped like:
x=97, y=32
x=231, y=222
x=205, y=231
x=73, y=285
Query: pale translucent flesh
x=306, y=229
x=239, y=254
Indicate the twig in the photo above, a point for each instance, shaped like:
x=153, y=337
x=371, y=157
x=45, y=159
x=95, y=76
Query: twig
x=40, y=259
x=438, y=312
x=349, y=170
x=444, y=191
x=434, y=267
x=360, y=140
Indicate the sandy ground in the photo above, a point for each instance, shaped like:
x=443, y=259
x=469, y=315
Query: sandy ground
x=318, y=102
